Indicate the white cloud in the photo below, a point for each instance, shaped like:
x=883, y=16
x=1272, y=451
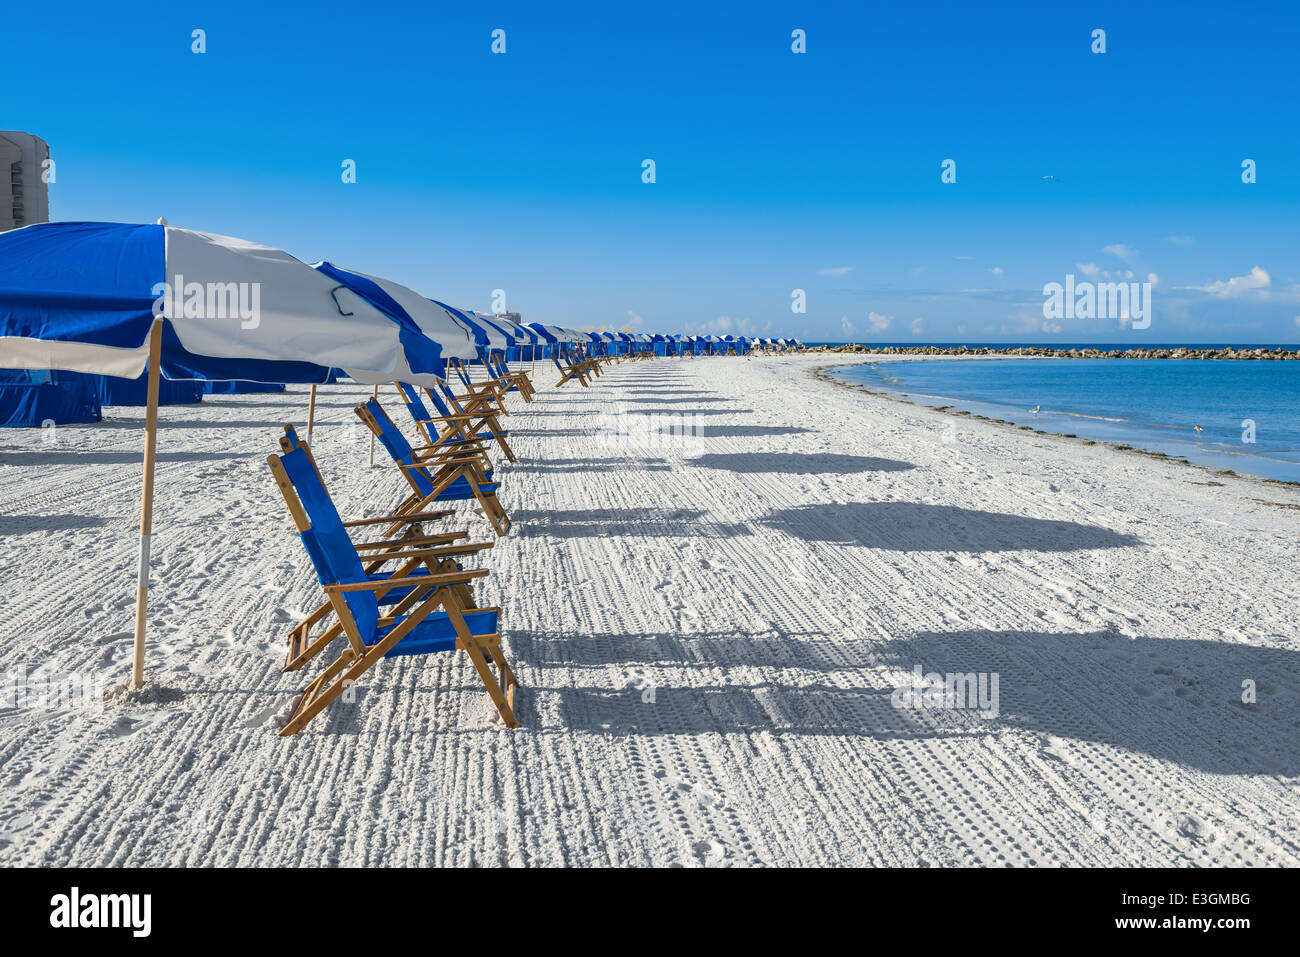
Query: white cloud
x=835, y=271
x=1181, y=240
x=1120, y=250
x=918, y=325
x=1257, y=279
x=1051, y=326
x=1297, y=320
x=961, y=257
x=633, y=318
x=848, y=327
x=1153, y=279
x=1088, y=269
x=878, y=322
x=996, y=270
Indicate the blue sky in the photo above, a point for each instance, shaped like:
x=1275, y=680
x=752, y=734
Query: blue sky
x=775, y=171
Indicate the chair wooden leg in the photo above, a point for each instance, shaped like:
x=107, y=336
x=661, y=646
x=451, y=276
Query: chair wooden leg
x=501, y=691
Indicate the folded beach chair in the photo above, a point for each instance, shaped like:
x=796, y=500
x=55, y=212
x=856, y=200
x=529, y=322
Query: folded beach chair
x=454, y=477
x=435, y=614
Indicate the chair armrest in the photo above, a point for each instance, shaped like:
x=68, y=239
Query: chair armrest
x=417, y=540
x=392, y=519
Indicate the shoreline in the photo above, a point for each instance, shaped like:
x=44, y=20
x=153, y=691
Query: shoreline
x=823, y=372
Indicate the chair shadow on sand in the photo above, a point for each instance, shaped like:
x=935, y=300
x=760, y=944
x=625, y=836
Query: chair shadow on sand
x=29, y=524
x=798, y=463
x=689, y=412
x=916, y=527
x=41, y=457
x=749, y=431
x=1173, y=700
x=641, y=523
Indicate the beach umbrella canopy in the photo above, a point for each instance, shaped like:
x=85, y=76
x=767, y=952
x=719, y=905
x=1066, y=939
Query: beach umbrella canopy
x=83, y=297
x=116, y=298
x=453, y=335
x=488, y=333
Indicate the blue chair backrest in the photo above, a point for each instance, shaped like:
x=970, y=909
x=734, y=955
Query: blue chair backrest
x=397, y=446
x=331, y=550
x=442, y=407
x=413, y=402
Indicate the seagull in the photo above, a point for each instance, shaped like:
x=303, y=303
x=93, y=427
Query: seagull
x=1198, y=428
x=1034, y=410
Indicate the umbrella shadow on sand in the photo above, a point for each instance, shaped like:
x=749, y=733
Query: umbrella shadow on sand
x=1178, y=701
x=913, y=527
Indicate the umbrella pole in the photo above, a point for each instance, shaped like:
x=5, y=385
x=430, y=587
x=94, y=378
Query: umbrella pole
x=374, y=395
x=146, y=504
x=311, y=412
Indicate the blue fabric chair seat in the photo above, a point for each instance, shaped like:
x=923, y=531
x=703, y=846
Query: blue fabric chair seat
x=435, y=633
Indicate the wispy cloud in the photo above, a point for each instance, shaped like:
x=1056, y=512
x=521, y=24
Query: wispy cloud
x=1256, y=280
x=1122, y=251
x=878, y=322
x=848, y=328
x=835, y=271
x=918, y=325
x=1088, y=269
x=1181, y=240
x=996, y=270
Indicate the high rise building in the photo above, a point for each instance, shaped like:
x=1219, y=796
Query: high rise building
x=24, y=180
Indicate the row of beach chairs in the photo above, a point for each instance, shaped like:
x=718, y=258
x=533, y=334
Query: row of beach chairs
x=409, y=591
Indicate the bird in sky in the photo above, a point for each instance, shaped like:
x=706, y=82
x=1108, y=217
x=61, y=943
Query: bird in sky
x=1035, y=409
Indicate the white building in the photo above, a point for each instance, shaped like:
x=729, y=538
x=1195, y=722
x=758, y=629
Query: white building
x=24, y=189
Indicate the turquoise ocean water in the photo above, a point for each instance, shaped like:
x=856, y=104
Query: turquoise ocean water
x=1249, y=411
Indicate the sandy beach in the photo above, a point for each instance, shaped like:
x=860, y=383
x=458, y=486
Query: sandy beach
x=721, y=573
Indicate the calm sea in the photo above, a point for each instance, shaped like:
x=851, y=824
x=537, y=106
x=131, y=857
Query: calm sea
x=1249, y=410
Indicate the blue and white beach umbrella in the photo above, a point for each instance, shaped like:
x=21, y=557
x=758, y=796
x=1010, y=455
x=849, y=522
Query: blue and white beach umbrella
x=448, y=328
x=114, y=298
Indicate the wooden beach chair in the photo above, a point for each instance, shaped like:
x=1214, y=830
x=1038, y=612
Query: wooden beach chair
x=443, y=435
x=478, y=417
x=517, y=381
x=436, y=612
x=453, y=477
x=574, y=369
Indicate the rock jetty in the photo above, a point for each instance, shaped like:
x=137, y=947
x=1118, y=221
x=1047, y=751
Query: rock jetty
x=1043, y=352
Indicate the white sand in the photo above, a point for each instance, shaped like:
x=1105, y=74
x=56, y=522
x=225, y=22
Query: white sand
x=707, y=630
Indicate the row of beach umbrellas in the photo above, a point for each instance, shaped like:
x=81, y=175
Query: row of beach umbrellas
x=122, y=299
